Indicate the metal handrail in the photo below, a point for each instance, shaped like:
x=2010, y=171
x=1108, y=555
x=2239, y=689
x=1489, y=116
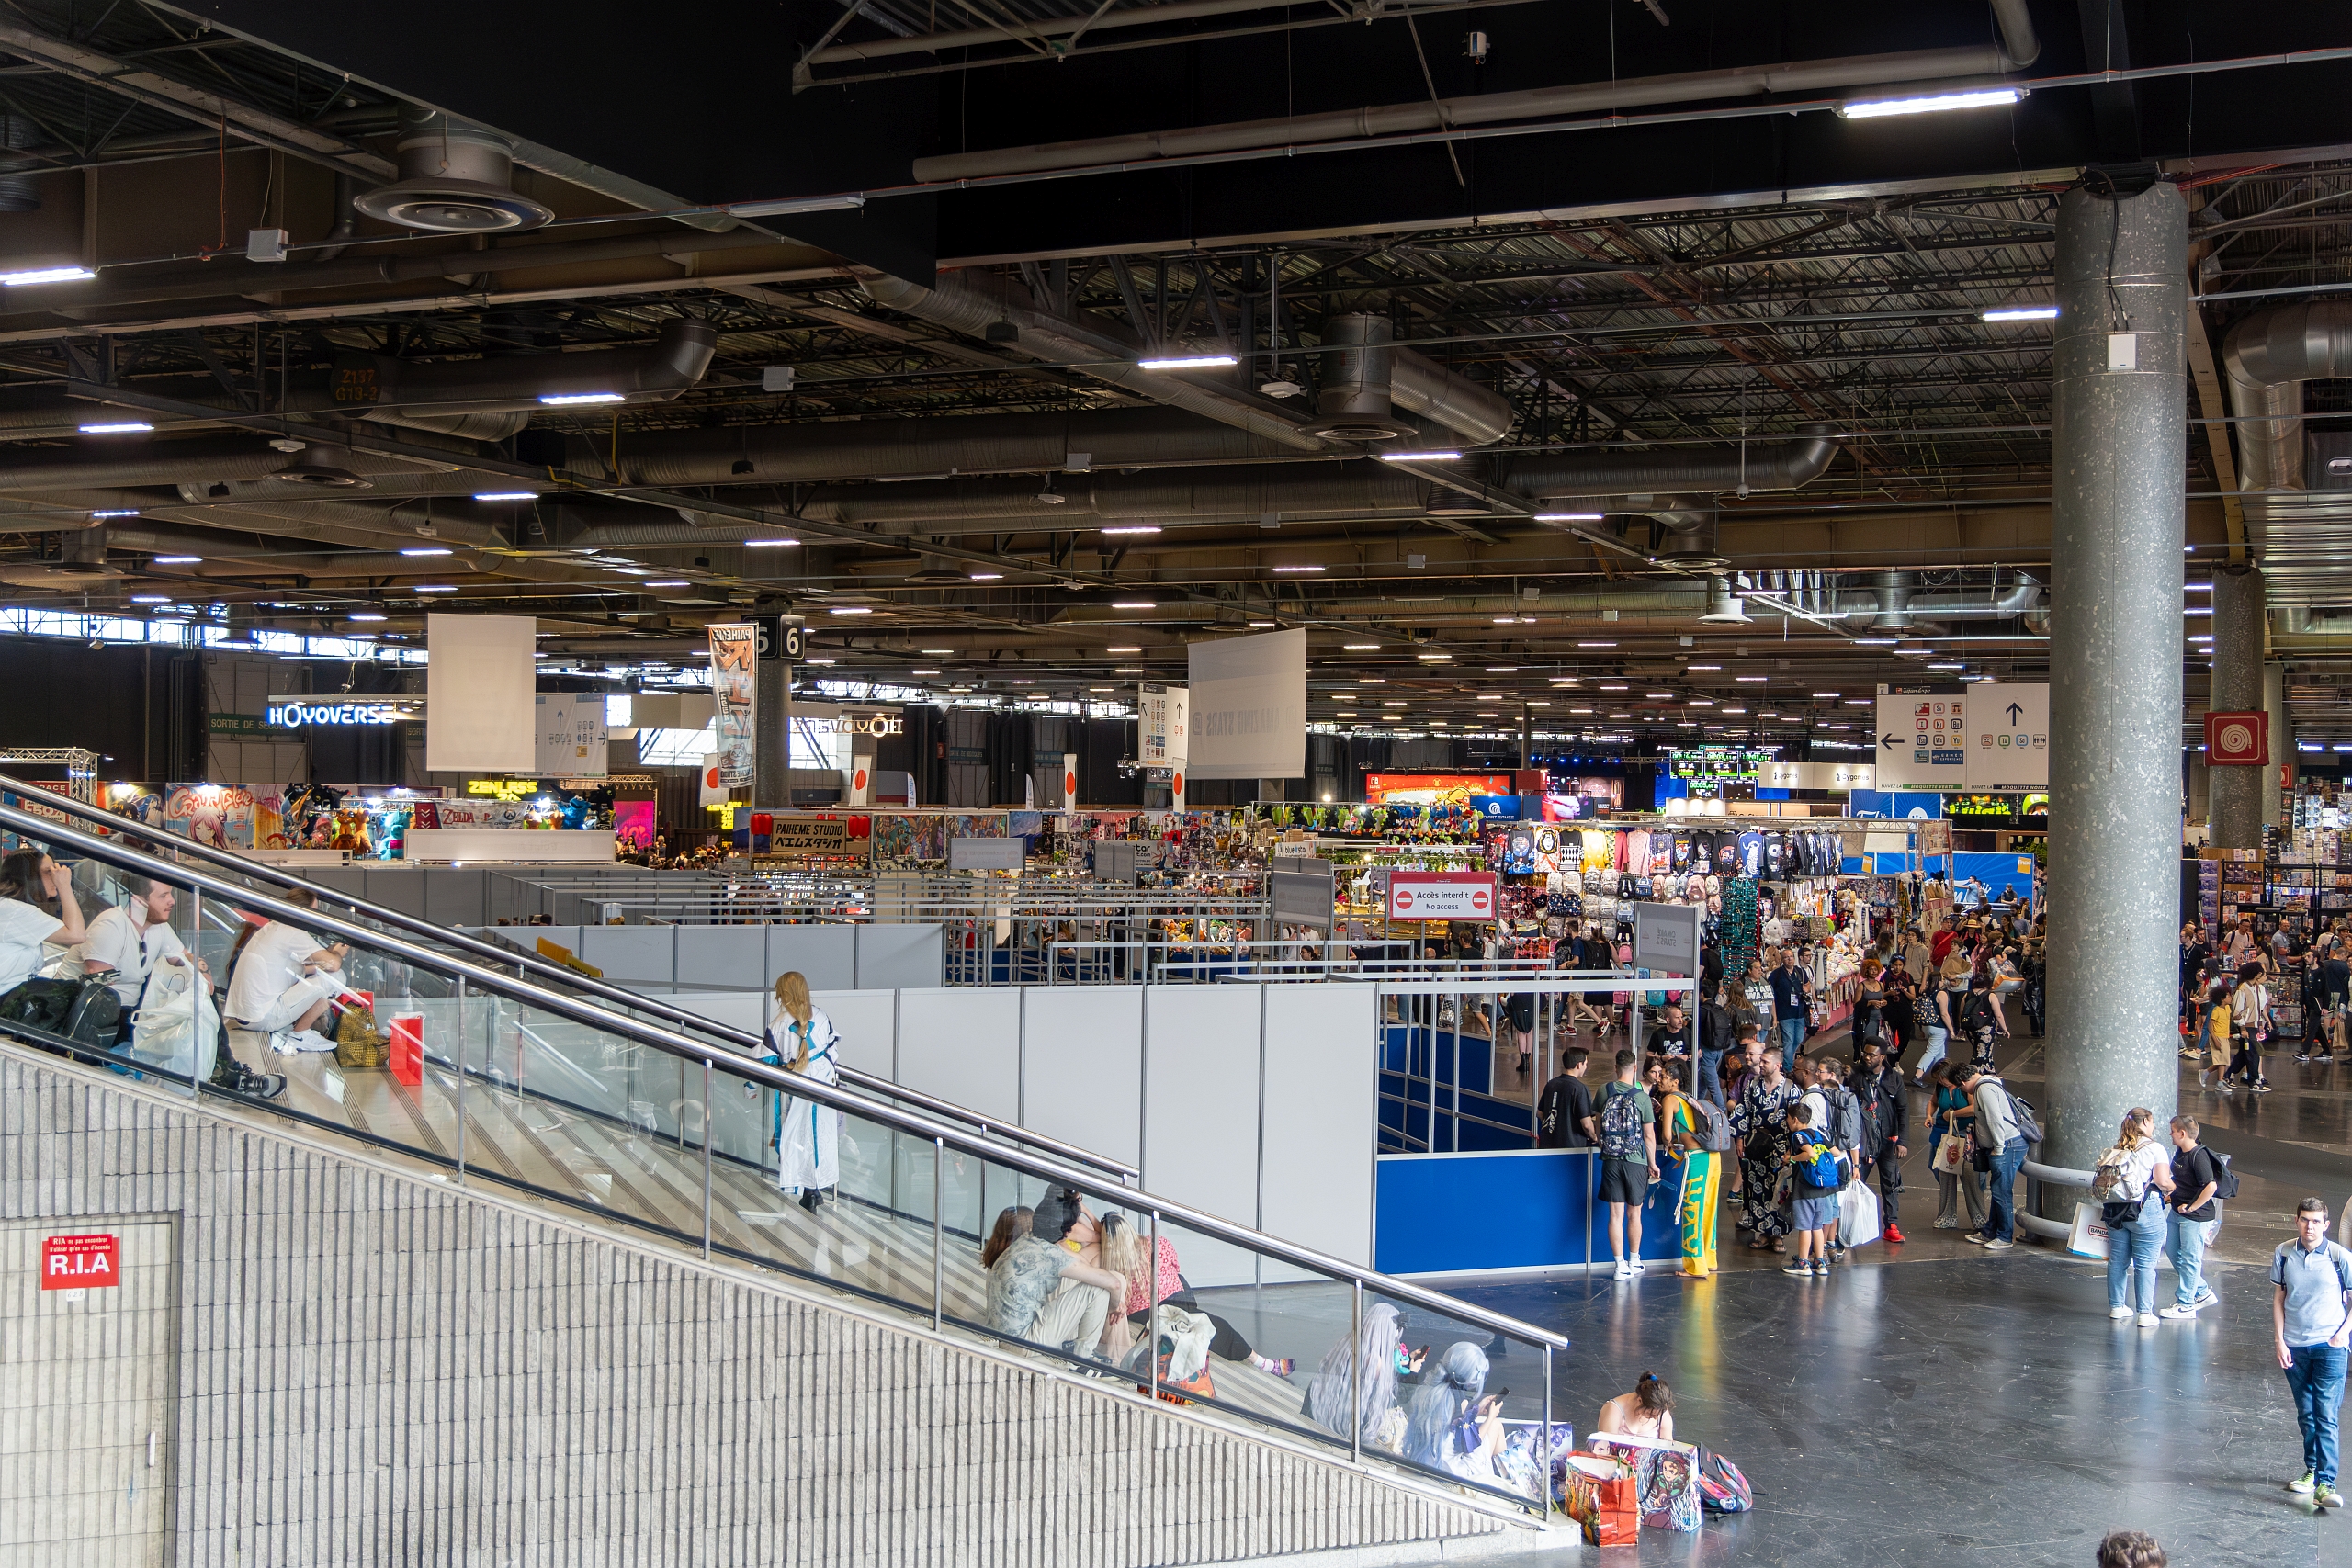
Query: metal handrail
x=1044, y=1168
x=572, y=979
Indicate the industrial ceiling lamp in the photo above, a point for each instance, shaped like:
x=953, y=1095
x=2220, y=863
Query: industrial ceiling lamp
x=1892, y=105
x=323, y=465
x=1724, y=606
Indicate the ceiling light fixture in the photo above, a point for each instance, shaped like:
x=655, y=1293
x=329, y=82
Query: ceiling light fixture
x=1567, y=517
x=48, y=275
x=1359, y=647
x=118, y=512
x=578, y=399
x=150, y=598
x=762, y=543
x=922, y=671
x=1420, y=456
x=434, y=588
x=177, y=560
x=1130, y=669
x=1134, y=604
x=506, y=495
x=426, y=551
x=117, y=427
x=1874, y=642
x=1596, y=645
x=1435, y=657
x=1135, y=528
x=1297, y=569
x=1188, y=362
x=671, y=582
x=988, y=577
x=1930, y=103
x=2023, y=313
x=363, y=615
x=853, y=610
x=1123, y=650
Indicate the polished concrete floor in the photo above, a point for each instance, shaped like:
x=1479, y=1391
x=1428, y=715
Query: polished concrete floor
x=1933, y=1405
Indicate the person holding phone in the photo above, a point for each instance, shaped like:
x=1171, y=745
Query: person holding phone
x=1452, y=1423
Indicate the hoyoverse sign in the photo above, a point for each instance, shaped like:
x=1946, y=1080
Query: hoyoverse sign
x=340, y=710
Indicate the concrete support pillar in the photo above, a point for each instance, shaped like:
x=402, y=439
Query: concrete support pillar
x=2282, y=739
x=2118, y=515
x=2238, y=636
x=772, y=737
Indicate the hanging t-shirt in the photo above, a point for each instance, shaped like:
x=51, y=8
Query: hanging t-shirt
x=1727, y=854
x=1682, y=851
x=1776, y=854
x=1751, y=854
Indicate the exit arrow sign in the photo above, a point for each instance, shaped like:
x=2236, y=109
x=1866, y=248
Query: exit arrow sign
x=1888, y=741
x=2014, y=710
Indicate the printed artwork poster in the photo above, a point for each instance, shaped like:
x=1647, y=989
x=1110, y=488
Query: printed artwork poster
x=734, y=682
x=218, y=815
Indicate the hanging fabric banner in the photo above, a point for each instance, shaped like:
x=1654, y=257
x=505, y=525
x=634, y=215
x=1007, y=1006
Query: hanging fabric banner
x=734, y=649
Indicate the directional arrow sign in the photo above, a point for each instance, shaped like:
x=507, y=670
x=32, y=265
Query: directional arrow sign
x=2011, y=750
x=2013, y=710
x=1923, y=743
x=1889, y=742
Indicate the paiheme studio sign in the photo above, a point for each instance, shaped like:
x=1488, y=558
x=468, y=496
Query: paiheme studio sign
x=302, y=712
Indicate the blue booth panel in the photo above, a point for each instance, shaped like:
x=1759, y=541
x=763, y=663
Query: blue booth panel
x=1461, y=1213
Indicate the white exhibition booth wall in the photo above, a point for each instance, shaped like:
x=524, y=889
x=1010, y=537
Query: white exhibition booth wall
x=1254, y=1102
x=746, y=958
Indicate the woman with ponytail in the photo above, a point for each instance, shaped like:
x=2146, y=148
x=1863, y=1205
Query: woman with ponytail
x=1647, y=1412
x=808, y=1135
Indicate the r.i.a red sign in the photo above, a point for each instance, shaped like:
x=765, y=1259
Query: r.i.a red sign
x=80, y=1262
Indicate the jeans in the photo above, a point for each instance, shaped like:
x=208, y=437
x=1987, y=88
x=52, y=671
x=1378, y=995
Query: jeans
x=2131, y=1257
x=2316, y=1380
x=2001, y=1224
x=1711, y=1080
x=2187, y=1241
x=1933, y=1054
x=1791, y=1036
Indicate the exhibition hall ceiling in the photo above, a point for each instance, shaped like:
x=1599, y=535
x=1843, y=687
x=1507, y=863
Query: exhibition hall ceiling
x=1546, y=392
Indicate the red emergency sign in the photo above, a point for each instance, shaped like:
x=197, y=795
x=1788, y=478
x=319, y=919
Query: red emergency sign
x=80, y=1262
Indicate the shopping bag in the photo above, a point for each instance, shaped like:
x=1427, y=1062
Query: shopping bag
x=1521, y=1460
x=1666, y=1477
x=1857, y=1211
x=1951, y=1155
x=2088, y=1236
x=1597, y=1490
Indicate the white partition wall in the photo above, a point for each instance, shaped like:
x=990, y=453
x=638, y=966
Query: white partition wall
x=1314, y=1165
x=1081, y=1067
x=962, y=1045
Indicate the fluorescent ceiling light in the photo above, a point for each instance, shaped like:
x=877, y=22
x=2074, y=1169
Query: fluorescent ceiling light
x=1188, y=362
x=1261, y=623
x=150, y=598
x=2023, y=313
x=1130, y=669
x=1298, y=568
x=936, y=650
x=1134, y=604
x=1132, y=528
x=1500, y=669
x=426, y=551
x=1359, y=647
x=671, y=582
x=506, y=495
x=853, y=609
x=363, y=615
x=1874, y=642
x=49, y=274
x=434, y=588
x=922, y=671
x=1749, y=680
x=575, y=399
x=1735, y=710
x=1435, y=657
x=1825, y=694
x=1567, y=517
x=117, y=427
x=1943, y=666
x=1123, y=650
x=1596, y=645
x=2185, y=587
x=790, y=204
x=177, y=560
x=1929, y=103
x=1420, y=457
x=1654, y=695
x=988, y=577
x=762, y=543
x=2197, y=610
x=119, y=511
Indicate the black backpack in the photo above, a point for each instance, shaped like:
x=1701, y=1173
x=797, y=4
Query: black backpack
x=2225, y=1181
x=85, y=1011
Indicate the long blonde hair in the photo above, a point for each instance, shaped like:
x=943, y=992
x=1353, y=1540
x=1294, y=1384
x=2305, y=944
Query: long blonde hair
x=1123, y=1250
x=2139, y=1127
x=792, y=998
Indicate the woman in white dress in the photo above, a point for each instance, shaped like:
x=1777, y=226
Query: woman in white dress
x=808, y=1135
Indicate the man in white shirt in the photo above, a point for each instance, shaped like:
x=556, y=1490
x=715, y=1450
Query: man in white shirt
x=131, y=939
x=282, y=983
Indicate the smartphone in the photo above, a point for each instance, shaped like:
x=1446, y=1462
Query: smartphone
x=1498, y=1396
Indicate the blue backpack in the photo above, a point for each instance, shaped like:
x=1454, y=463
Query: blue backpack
x=1821, y=1169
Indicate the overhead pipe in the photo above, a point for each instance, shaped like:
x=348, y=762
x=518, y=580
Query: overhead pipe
x=1107, y=348
x=2017, y=50
x=1782, y=465
x=1363, y=375
x=2266, y=358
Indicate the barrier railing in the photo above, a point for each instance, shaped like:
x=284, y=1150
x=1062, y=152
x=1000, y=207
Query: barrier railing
x=491, y=1078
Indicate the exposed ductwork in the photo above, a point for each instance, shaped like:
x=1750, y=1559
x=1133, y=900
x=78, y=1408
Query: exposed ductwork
x=1108, y=350
x=1596, y=476
x=1363, y=375
x=2017, y=50
x=2267, y=359
x=455, y=179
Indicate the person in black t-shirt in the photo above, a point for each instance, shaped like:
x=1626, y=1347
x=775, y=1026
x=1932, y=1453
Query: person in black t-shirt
x=1563, y=1112
x=2191, y=1217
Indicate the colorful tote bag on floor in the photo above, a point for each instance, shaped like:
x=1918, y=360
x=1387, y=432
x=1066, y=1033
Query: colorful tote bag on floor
x=1666, y=1477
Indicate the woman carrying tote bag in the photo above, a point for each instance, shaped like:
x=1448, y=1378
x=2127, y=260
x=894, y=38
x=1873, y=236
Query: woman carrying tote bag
x=808, y=1135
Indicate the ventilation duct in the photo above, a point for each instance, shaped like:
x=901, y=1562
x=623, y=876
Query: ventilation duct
x=1893, y=603
x=455, y=179
x=973, y=305
x=1783, y=465
x=2267, y=357
x=1362, y=375
x=18, y=191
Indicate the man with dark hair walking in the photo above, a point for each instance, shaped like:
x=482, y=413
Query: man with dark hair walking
x=2311, y=1321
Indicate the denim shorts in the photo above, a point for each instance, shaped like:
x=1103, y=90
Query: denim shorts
x=1812, y=1213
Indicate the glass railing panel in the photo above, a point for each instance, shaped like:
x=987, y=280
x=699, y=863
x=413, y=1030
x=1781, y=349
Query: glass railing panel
x=1467, y=1403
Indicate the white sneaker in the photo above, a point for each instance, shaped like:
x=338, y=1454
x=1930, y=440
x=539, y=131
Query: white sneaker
x=2147, y=1320
x=2176, y=1312
x=1623, y=1272
x=305, y=1040
x=2118, y=1313
x=1998, y=1246
x=1636, y=1267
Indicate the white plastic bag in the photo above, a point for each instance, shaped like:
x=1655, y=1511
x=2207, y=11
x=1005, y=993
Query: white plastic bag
x=1858, y=1215
x=176, y=1027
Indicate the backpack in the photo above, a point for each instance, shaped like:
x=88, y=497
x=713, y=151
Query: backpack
x=1714, y=1127
x=2225, y=1180
x=2118, y=1179
x=1820, y=1169
x=1845, y=1117
x=1621, y=1123
x=83, y=1011
x=1722, y=1488
x=2021, y=1111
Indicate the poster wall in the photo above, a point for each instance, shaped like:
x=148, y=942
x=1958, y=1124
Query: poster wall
x=571, y=735
x=1249, y=706
x=734, y=681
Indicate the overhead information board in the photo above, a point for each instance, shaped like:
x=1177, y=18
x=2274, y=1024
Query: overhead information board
x=1922, y=740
